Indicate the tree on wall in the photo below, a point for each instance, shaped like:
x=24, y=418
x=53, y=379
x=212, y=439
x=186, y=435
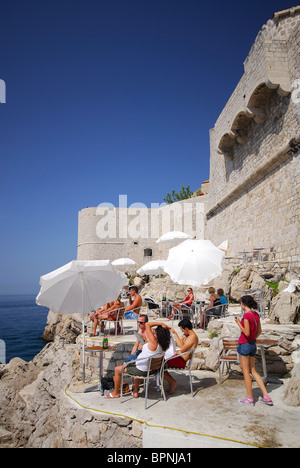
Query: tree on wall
x=183, y=194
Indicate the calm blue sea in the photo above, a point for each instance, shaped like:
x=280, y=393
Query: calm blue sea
x=22, y=323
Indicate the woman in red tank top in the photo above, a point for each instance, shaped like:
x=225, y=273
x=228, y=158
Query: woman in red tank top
x=180, y=305
x=250, y=330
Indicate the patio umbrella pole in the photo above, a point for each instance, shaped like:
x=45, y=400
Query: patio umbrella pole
x=83, y=337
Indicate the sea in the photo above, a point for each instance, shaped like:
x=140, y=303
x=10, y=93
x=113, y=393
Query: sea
x=22, y=324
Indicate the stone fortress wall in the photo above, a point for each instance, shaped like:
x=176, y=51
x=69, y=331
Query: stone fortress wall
x=253, y=199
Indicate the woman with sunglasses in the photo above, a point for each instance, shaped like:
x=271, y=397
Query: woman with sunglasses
x=180, y=305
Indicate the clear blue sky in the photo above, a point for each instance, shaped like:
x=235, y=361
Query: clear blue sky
x=101, y=92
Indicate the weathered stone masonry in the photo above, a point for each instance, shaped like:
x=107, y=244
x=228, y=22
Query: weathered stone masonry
x=254, y=198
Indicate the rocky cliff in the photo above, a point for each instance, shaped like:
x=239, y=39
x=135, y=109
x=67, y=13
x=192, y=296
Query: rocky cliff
x=35, y=413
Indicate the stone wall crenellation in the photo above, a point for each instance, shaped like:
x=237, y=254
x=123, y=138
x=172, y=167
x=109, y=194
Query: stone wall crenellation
x=254, y=198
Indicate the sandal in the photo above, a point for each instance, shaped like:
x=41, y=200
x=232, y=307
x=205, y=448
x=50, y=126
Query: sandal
x=110, y=396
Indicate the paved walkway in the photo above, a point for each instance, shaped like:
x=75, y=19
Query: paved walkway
x=213, y=418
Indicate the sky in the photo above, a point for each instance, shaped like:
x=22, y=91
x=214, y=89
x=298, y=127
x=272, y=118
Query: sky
x=107, y=98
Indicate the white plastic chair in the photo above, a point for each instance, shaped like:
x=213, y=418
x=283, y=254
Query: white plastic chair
x=188, y=366
x=183, y=312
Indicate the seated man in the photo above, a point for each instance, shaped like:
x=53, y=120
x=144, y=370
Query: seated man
x=187, y=342
x=136, y=303
x=141, y=336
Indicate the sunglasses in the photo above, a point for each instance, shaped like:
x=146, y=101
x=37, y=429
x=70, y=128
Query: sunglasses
x=142, y=323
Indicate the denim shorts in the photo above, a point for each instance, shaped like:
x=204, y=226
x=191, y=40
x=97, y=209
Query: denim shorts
x=133, y=357
x=247, y=349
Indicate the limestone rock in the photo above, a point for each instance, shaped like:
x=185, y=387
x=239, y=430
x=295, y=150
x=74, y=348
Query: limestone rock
x=34, y=412
x=292, y=393
x=211, y=361
x=285, y=306
x=239, y=283
x=247, y=279
x=67, y=326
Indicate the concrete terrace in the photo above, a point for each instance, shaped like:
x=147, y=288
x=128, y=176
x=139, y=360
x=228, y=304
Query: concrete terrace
x=212, y=418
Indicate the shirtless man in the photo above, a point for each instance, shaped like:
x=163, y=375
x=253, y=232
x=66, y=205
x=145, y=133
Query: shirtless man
x=187, y=342
x=141, y=338
x=136, y=303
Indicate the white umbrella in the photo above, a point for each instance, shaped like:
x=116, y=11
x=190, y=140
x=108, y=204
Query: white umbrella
x=123, y=262
x=79, y=287
x=194, y=262
x=223, y=246
x=173, y=236
x=155, y=267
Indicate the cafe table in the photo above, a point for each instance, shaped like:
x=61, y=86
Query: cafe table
x=245, y=255
x=261, y=343
x=260, y=251
x=97, y=349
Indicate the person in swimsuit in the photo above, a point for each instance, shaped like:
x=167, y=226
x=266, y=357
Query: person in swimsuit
x=180, y=305
x=135, y=301
x=101, y=314
x=109, y=312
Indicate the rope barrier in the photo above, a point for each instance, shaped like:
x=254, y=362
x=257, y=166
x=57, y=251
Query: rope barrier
x=158, y=426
